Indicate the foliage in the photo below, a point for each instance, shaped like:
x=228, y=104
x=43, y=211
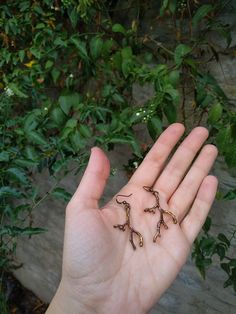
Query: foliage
x=67, y=74
x=208, y=246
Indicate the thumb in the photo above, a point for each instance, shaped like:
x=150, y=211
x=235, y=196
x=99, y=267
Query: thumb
x=93, y=181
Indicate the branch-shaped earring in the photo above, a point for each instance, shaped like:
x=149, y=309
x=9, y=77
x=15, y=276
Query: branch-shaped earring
x=127, y=224
x=161, y=210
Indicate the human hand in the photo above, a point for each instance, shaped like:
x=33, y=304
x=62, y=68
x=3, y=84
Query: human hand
x=101, y=271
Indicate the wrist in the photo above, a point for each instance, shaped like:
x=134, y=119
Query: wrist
x=64, y=303
x=67, y=301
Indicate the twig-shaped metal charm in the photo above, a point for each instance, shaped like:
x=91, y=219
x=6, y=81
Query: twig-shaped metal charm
x=152, y=210
x=127, y=224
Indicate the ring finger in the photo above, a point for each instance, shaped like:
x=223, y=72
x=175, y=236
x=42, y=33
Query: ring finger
x=184, y=196
x=175, y=170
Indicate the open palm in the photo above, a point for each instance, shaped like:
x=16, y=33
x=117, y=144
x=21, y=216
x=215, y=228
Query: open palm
x=100, y=267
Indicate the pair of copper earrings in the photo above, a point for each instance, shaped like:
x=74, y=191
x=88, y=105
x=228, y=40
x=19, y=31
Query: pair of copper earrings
x=152, y=210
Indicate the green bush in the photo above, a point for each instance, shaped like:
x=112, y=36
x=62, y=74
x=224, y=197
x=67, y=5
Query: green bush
x=67, y=74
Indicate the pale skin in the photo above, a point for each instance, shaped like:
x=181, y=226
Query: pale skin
x=101, y=272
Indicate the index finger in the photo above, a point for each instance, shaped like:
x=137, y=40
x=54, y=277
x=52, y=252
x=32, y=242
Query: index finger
x=153, y=163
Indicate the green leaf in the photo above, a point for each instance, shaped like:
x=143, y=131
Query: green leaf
x=127, y=53
x=18, y=175
x=231, y=195
x=117, y=60
x=223, y=139
x=60, y=42
x=65, y=133
x=230, y=156
x=38, y=9
x=40, y=26
x=118, y=28
x=4, y=156
x=233, y=130
x=85, y=130
x=228, y=282
x=174, y=77
x=221, y=250
x=68, y=101
x=118, y=98
x=201, y=13
x=225, y=267
x=172, y=6
x=21, y=55
x=7, y=191
x=25, y=163
x=96, y=44
x=207, y=262
x=126, y=67
x=201, y=263
x=35, y=52
x=81, y=46
x=136, y=148
x=31, y=122
x=209, y=80
x=71, y=123
x=164, y=7
x=154, y=127
x=108, y=90
x=74, y=16
x=170, y=112
x=102, y=128
x=16, y=90
x=181, y=52
x=77, y=141
x=61, y=194
x=232, y=263
x=37, y=138
x=207, y=225
x=55, y=74
x=59, y=165
x=200, y=94
x=175, y=96
x=49, y=64
x=207, y=244
x=201, y=270
x=31, y=153
x=215, y=113
x=24, y=5
x=192, y=64
x=58, y=116
x=223, y=239
x=107, y=47
x=120, y=140
x=227, y=145
x=148, y=57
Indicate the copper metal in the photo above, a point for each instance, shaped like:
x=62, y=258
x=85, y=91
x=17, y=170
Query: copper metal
x=127, y=223
x=153, y=209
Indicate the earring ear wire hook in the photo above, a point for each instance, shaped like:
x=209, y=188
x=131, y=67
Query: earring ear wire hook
x=148, y=188
x=121, y=195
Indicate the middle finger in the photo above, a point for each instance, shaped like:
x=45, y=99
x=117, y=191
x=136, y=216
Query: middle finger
x=175, y=170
